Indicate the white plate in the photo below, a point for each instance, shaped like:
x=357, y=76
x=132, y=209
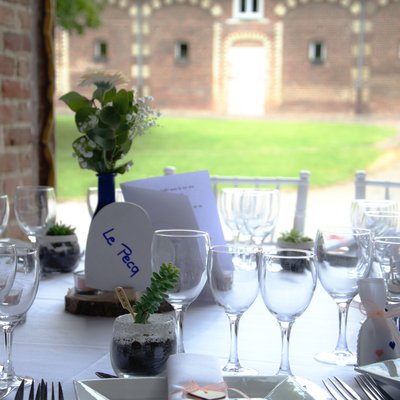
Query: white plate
x=155, y=388
x=385, y=371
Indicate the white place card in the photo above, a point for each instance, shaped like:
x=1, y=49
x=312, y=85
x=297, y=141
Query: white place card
x=118, y=248
x=179, y=201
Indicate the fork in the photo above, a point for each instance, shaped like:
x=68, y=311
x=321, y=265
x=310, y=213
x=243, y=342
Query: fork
x=371, y=388
x=41, y=392
x=340, y=389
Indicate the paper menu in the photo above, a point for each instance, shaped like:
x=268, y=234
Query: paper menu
x=186, y=201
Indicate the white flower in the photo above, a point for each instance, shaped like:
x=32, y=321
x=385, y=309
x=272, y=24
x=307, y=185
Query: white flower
x=102, y=77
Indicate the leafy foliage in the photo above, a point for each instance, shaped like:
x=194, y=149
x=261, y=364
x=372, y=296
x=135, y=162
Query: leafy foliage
x=161, y=282
x=77, y=15
x=293, y=236
x=108, y=122
x=60, y=229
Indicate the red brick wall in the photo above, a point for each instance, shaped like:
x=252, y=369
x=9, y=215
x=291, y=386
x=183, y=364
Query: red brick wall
x=298, y=86
x=18, y=140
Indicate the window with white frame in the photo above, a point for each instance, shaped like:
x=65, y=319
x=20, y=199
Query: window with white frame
x=317, y=52
x=248, y=9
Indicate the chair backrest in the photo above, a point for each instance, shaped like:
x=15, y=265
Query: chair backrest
x=302, y=183
x=361, y=184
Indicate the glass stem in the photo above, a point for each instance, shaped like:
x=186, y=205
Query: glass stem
x=179, y=313
x=284, y=368
x=233, y=361
x=8, y=369
x=341, y=345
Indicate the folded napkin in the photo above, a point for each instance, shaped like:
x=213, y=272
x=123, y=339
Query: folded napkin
x=186, y=372
x=379, y=338
x=191, y=372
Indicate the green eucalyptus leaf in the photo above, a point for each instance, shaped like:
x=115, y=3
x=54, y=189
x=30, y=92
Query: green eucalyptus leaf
x=121, y=101
x=109, y=95
x=109, y=116
x=104, y=137
x=121, y=169
x=75, y=101
x=85, y=117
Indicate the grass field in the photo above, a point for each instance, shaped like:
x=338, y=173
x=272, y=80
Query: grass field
x=331, y=151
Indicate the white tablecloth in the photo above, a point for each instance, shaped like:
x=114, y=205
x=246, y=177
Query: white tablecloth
x=59, y=346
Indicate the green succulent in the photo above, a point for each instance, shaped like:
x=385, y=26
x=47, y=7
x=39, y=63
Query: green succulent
x=60, y=229
x=294, y=236
x=161, y=282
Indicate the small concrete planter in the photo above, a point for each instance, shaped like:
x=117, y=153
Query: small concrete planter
x=59, y=253
x=308, y=245
x=142, y=349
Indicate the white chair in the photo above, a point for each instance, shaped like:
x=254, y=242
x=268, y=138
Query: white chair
x=362, y=184
x=302, y=183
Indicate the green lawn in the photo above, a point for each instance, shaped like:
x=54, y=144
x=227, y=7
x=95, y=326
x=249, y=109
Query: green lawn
x=331, y=151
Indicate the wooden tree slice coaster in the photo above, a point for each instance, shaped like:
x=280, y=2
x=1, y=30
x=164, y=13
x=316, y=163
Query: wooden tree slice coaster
x=103, y=304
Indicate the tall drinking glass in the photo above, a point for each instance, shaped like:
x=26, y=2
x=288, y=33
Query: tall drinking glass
x=187, y=249
x=287, y=282
x=4, y=212
x=233, y=277
x=381, y=223
x=14, y=306
x=343, y=257
x=35, y=209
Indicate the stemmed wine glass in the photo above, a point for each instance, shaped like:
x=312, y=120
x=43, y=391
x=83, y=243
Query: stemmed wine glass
x=233, y=277
x=287, y=282
x=259, y=212
x=381, y=223
x=35, y=209
x=8, y=265
x=229, y=207
x=187, y=249
x=14, y=307
x=360, y=206
x=343, y=257
x=4, y=212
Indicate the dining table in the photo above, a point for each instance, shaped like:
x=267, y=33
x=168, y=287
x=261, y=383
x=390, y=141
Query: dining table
x=56, y=345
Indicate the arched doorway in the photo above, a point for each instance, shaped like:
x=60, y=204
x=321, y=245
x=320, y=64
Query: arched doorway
x=246, y=79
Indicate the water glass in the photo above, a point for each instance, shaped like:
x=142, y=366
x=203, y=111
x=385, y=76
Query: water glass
x=4, y=212
x=233, y=277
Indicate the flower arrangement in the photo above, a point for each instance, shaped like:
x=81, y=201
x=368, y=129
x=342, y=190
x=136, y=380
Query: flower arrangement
x=108, y=122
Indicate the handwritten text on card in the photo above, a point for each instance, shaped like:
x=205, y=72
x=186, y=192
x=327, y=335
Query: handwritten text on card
x=124, y=252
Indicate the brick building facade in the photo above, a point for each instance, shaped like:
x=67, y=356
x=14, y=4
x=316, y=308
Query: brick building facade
x=26, y=97
x=247, y=56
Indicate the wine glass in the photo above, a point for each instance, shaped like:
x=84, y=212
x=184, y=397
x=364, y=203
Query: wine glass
x=8, y=265
x=233, y=277
x=381, y=223
x=287, y=282
x=14, y=307
x=35, y=209
x=259, y=212
x=92, y=198
x=360, y=206
x=387, y=253
x=229, y=207
x=343, y=257
x=187, y=249
x=4, y=212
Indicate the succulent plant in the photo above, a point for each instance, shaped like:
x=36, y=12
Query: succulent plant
x=60, y=229
x=294, y=236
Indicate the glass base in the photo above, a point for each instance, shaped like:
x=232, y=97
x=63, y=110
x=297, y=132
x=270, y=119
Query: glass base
x=238, y=371
x=13, y=382
x=335, y=357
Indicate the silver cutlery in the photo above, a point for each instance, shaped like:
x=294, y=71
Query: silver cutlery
x=340, y=390
x=41, y=392
x=371, y=388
